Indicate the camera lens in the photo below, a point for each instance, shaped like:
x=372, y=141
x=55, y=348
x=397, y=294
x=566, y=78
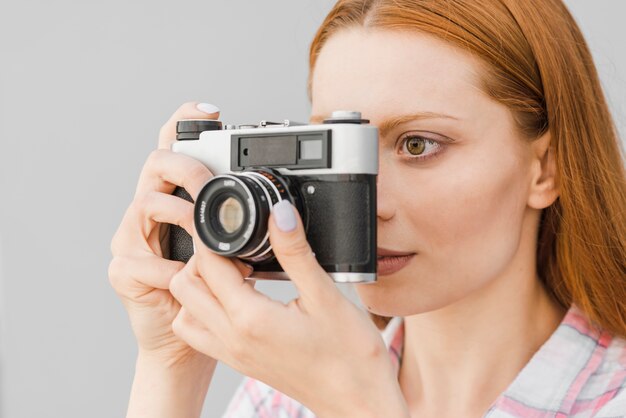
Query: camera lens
x=230, y=215
x=232, y=210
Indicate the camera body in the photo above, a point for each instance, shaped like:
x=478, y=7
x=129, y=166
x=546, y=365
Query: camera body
x=327, y=171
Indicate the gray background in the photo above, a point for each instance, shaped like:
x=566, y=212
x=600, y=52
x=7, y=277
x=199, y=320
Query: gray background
x=85, y=86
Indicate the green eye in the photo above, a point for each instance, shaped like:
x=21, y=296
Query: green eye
x=416, y=145
x=420, y=148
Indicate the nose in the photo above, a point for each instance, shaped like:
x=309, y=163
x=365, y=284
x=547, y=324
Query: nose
x=385, y=207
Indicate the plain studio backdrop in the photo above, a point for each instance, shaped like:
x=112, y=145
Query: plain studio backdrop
x=84, y=89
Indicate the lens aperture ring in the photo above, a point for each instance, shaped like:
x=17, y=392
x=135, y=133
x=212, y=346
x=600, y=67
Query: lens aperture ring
x=277, y=190
x=263, y=247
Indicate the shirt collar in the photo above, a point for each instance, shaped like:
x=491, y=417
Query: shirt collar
x=552, y=379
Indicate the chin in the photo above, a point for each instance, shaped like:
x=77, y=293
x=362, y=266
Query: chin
x=386, y=301
x=389, y=301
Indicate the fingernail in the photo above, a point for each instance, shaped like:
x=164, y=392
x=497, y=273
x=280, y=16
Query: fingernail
x=207, y=108
x=249, y=268
x=284, y=216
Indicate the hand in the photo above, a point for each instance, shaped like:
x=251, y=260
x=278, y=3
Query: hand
x=138, y=272
x=319, y=349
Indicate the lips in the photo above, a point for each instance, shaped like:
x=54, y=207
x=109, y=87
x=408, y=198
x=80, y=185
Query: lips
x=389, y=261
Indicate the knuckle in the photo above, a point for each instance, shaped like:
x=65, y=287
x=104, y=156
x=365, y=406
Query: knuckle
x=298, y=247
x=178, y=323
x=180, y=280
x=115, y=245
x=120, y=238
x=374, y=350
x=246, y=324
x=116, y=272
x=172, y=267
x=164, y=131
x=154, y=157
x=174, y=285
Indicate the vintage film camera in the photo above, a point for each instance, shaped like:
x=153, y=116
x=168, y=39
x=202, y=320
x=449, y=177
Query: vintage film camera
x=327, y=171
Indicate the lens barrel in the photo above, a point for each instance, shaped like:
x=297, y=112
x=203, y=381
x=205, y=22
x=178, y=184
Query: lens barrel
x=232, y=210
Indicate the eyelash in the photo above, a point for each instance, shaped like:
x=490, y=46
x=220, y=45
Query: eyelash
x=433, y=154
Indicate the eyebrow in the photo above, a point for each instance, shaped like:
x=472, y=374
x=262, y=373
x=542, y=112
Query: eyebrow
x=391, y=123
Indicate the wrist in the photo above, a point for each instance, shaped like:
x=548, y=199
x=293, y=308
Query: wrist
x=379, y=396
x=167, y=386
x=388, y=405
x=176, y=360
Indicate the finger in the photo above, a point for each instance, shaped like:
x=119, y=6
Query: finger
x=142, y=217
x=225, y=279
x=188, y=329
x=295, y=256
x=190, y=110
x=148, y=270
x=245, y=269
x=158, y=207
x=192, y=293
x=164, y=170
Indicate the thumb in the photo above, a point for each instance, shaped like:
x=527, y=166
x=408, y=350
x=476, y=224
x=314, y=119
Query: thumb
x=294, y=253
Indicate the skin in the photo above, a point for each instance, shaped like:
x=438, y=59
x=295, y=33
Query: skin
x=470, y=214
x=470, y=292
x=186, y=317
x=171, y=378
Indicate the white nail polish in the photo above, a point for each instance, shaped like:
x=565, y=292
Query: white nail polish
x=207, y=108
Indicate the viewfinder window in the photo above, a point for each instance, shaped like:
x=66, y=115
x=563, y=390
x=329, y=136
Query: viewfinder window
x=311, y=150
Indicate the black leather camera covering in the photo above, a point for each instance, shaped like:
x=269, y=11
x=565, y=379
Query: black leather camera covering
x=339, y=217
x=180, y=242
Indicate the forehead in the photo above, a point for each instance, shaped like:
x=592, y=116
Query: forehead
x=367, y=69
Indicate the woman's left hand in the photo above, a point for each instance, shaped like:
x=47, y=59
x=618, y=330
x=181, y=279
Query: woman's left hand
x=319, y=349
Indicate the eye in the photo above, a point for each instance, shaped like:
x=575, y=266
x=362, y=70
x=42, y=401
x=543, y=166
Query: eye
x=419, y=147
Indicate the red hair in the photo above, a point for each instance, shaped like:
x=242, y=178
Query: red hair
x=537, y=63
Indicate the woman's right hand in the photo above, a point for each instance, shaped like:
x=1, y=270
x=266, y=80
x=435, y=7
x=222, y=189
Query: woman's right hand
x=138, y=271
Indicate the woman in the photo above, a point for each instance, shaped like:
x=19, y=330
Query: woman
x=501, y=228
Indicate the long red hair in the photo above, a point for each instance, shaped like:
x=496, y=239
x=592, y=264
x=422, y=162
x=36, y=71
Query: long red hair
x=537, y=63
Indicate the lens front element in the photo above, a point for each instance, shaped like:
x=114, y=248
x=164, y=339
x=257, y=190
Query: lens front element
x=230, y=215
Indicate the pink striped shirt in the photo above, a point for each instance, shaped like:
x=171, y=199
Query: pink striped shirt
x=578, y=372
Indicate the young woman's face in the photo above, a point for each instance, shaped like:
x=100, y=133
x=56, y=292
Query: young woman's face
x=455, y=192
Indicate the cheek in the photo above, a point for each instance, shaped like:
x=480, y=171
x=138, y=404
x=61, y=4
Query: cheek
x=464, y=219
x=473, y=211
